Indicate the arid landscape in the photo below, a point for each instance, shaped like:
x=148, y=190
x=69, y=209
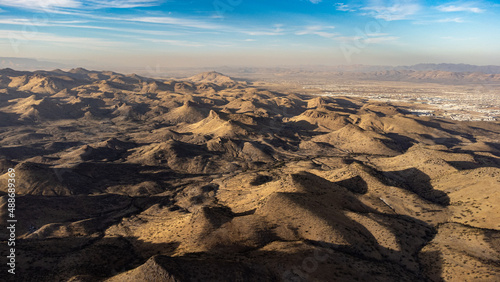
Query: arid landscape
x=214, y=178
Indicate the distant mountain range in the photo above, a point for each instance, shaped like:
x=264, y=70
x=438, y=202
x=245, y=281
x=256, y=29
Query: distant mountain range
x=34, y=64
x=440, y=73
x=28, y=64
x=436, y=76
x=452, y=68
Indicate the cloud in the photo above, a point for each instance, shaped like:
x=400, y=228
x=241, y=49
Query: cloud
x=318, y=30
x=24, y=21
x=315, y=1
x=81, y=42
x=399, y=11
x=181, y=43
x=348, y=39
x=376, y=34
x=262, y=33
x=187, y=23
x=124, y=4
x=41, y=4
x=192, y=23
x=343, y=7
x=450, y=20
x=451, y=38
x=277, y=31
x=79, y=24
x=174, y=21
x=375, y=40
x=467, y=7
x=57, y=5
x=446, y=20
x=366, y=39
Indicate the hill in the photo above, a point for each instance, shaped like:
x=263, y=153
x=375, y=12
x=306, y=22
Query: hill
x=128, y=178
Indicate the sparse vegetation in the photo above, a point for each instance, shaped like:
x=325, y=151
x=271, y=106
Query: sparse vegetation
x=129, y=178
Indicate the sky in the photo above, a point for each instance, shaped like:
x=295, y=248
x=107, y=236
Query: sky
x=183, y=33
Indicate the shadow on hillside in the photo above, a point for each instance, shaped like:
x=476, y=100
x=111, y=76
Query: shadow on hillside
x=418, y=182
x=354, y=184
x=317, y=198
x=102, y=175
x=24, y=152
x=400, y=143
x=92, y=259
x=438, y=125
x=93, y=213
x=9, y=119
x=496, y=146
x=432, y=265
x=346, y=104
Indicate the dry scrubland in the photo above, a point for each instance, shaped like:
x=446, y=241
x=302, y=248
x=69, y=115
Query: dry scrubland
x=125, y=178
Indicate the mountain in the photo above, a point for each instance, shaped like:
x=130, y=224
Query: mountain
x=28, y=64
x=207, y=178
x=490, y=69
x=211, y=77
x=433, y=73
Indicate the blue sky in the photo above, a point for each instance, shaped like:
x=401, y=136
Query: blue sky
x=140, y=33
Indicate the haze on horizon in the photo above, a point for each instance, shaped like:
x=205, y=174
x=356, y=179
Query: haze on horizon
x=141, y=33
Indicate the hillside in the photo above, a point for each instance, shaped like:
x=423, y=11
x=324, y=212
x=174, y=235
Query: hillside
x=207, y=178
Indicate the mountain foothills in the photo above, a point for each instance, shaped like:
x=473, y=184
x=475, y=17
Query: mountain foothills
x=127, y=178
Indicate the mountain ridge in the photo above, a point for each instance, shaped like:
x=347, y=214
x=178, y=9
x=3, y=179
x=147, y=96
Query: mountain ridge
x=125, y=177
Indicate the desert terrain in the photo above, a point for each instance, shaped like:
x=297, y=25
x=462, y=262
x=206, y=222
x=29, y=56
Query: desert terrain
x=211, y=178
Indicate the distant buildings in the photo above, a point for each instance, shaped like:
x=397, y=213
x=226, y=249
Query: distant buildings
x=436, y=102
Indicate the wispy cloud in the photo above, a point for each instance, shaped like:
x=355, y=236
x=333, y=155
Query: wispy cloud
x=83, y=42
x=445, y=20
x=123, y=4
x=184, y=43
x=450, y=20
x=262, y=33
x=464, y=7
x=315, y=1
x=181, y=43
x=24, y=21
x=41, y=4
x=84, y=25
x=318, y=30
x=399, y=11
x=278, y=30
x=175, y=21
x=348, y=39
x=367, y=40
x=376, y=34
x=202, y=26
x=57, y=5
x=451, y=38
x=375, y=40
x=343, y=7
